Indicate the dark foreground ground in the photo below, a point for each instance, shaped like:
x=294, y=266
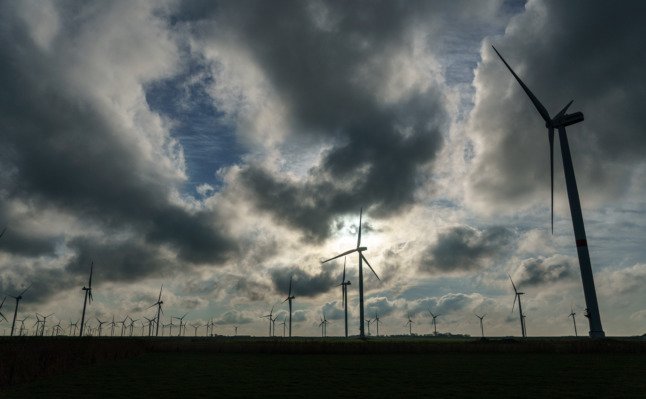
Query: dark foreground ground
x=172, y=368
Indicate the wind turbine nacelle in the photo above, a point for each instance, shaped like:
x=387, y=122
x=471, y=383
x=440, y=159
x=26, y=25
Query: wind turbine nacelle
x=569, y=119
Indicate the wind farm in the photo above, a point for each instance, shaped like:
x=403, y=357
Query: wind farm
x=180, y=181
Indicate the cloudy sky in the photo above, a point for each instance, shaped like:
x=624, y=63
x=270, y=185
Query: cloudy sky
x=220, y=147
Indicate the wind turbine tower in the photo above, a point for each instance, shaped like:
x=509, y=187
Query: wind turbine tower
x=289, y=299
x=359, y=249
x=15, y=312
x=517, y=295
x=88, y=293
x=559, y=122
x=344, y=291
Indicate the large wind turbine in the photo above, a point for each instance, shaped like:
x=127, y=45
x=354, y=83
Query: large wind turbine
x=88, y=293
x=560, y=121
x=344, y=291
x=289, y=298
x=520, y=307
x=15, y=312
x=159, y=304
x=359, y=249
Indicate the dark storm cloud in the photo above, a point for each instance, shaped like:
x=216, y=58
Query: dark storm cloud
x=578, y=50
x=463, y=248
x=233, y=317
x=326, y=64
x=538, y=271
x=305, y=284
x=17, y=242
x=61, y=151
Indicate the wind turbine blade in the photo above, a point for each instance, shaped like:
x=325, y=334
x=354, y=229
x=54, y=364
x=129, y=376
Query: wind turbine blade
x=539, y=107
x=24, y=290
x=564, y=110
x=3, y=230
x=160, y=292
x=512, y=283
x=91, y=270
x=551, y=137
x=343, y=254
x=359, y=237
x=512, y=306
x=373, y=270
x=343, y=279
x=290, y=286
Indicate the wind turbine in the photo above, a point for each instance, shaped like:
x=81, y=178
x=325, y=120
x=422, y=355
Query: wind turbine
x=368, y=321
x=289, y=299
x=36, y=324
x=15, y=312
x=181, y=321
x=344, y=291
x=323, y=326
x=520, y=307
x=481, y=325
x=88, y=293
x=42, y=327
x=159, y=304
x=236, y=330
x=284, y=325
x=359, y=249
x=101, y=323
x=572, y=314
x=434, y=316
x=409, y=323
x=270, y=317
x=112, y=324
x=123, y=324
x=196, y=326
x=560, y=121
x=376, y=321
x=22, y=325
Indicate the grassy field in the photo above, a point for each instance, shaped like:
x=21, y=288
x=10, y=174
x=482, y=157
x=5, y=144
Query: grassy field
x=189, y=368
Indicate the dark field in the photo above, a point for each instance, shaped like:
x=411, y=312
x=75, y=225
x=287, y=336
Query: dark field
x=172, y=368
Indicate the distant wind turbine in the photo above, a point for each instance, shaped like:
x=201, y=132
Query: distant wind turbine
x=270, y=317
x=15, y=312
x=517, y=295
x=284, y=323
x=323, y=326
x=481, y=325
x=344, y=291
x=181, y=321
x=42, y=327
x=359, y=249
x=560, y=121
x=369, y=321
x=572, y=314
x=289, y=299
x=100, y=327
x=88, y=293
x=434, y=316
x=409, y=323
x=159, y=304
x=377, y=321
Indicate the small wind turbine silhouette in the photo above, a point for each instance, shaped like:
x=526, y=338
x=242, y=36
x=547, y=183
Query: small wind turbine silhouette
x=359, y=249
x=42, y=327
x=289, y=299
x=481, y=325
x=323, y=326
x=15, y=312
x=572, y=314
x=520, y=307
x=112, y=324
x=409, y=323
x=100, y=327
x=377, y=321
x=181, y=321
x=369, y=321
x=270, y=317
x=284, y=323
x=159, y=304
x=434, y=316
x=560, y=121
x=22, y=325
x=88, y=293
x=344, y=291
x=235, y=330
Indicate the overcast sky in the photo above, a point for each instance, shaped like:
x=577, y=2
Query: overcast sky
x=219, y=148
